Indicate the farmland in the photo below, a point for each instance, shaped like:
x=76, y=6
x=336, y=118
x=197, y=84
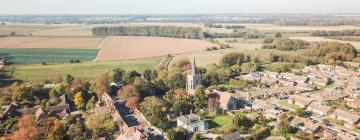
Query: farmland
x=43, y=55
x=86, y=69
x=24, y=29
x=50, y=42
x=130, y=47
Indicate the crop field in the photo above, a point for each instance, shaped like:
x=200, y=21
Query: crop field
x=43, y=55
x=318, y=39
x=23, y=29
x=85, y=69
x=65, y=31
x=50, y=42
x=270, y=27
x=134, y=47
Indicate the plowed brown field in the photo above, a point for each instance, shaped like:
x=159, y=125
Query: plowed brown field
x=133, y=47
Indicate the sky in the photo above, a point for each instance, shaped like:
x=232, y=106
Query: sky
x=176, y=6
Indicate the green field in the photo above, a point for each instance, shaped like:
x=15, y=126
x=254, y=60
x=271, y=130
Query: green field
x=38, y=56
x=86, y=69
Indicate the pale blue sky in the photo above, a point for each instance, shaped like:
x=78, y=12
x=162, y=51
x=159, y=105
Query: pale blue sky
x=176, y=6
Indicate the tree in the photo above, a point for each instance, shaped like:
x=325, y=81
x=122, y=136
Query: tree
x=27, y=129
x=260, y=132
x=231, y=59
x=177, y=81
x=78, y=99
x=181, y=94
x=196, y=136
x=23, y=94
x=152, y=108
x=54, y=129
x=177, y=133
x=242, y=122
x=282, y=127
x=300, y=112
x=147, y=74
x=101, y=123
x=132, y=103
x=126, y=92
x=91, y=104
x=116, y=75
x=69, y=79
x=200, y=100
x=101, y=85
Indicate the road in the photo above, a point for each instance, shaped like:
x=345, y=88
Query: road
x=134, y=120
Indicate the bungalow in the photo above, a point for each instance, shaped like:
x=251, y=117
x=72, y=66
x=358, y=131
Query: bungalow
x=302, y=87
x=330, y=134
x=262, y=105
x=350, y=118
x=272, y=113
x=301, y=101
x=321, y=81
x=255, y=77
x=318, y=108
x=192, y=123
x=331, y=95
x=305, y=124
x=342, y=135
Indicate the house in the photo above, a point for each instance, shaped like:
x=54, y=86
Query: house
x=331, y=95
x=330, y=134
x=262, y=105
x=272, y=113
x=319, y=108
x=226, y=101
x=133, y=133
x=302, y=87
x=321, y=81
x=192, y=123
x=41, y=115
x=255, y=77
x=301, y=101
x=353, y=103
x=346, y=116
x=343, y=135
x=305, y=124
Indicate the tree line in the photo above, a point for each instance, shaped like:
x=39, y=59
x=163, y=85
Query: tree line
x=336, y=33
x=158, y=31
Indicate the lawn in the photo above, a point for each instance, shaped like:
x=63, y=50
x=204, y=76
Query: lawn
x=85, y=69
x=40, y=55
x=222, y=121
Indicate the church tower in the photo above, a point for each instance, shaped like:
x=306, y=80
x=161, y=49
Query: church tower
x=193, y=79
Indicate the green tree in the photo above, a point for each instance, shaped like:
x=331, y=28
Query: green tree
x=242, y=122
x=282, y=126
x=69, y=79
x=300, y=112
x=260, y=132
x=200, y=99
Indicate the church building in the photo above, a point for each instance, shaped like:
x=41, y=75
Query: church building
x=193, y=80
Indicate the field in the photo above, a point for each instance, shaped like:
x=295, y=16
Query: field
x=134, y=47
x=40, y=55
x=207, y=57
x=317, y=39
x=49, y=42
x=65, y=31
x=86, y=69
x=24, y=29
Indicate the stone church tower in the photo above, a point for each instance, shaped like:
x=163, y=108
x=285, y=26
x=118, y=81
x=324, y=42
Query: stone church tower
x=193, y=79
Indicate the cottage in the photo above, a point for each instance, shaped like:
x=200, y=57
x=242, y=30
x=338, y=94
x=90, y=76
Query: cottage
x=348, y=117
x=319, y=108
x=331, y=95
x=192, y=123
x=41, y=115
x=342, y=135
x=330, y=134
x=272, y=113
x=262, y=105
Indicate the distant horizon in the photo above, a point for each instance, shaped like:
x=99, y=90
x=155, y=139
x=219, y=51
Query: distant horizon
x=171, y=14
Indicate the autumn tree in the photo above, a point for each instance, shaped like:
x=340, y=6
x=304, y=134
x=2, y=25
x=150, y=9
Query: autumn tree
x=180, y=94
x=54, y=129
x=132, y=103
x=101, y=85
x=28, y=129
x=78, y=99
x=126, y=92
